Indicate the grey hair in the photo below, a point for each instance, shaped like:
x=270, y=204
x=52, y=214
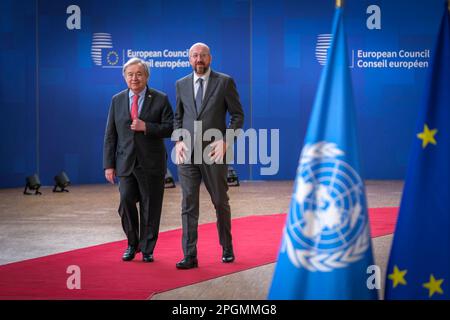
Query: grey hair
x=199, y=44
x=136, y=61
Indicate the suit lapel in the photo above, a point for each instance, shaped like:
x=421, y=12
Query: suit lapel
x=146, y=104
x=212, y=84
x=126, y=102
x=188, y=91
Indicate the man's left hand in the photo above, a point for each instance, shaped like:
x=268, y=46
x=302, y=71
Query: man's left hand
x=219, y=148
x=138, y=125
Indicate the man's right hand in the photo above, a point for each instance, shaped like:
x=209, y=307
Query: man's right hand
x=180, y=152
x=110, y=175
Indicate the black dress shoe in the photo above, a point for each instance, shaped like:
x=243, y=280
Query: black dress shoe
x=130, y=253
x=147, y=257
x=188, y=263
x=227, y=255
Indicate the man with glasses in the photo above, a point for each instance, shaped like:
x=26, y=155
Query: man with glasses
x=203, y=100
x=139, y=119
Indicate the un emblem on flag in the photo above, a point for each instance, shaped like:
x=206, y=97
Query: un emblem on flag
x=327, y=226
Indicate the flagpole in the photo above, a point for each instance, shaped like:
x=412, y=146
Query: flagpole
x=339, y=3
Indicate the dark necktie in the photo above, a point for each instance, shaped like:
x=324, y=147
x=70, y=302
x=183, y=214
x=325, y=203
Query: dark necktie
x=199, y=96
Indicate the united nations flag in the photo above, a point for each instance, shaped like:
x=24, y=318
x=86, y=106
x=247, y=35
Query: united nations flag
x=326, y=245
x=419, y=264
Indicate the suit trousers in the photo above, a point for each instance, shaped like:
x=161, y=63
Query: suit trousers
x=141, y=229
x=215, y=179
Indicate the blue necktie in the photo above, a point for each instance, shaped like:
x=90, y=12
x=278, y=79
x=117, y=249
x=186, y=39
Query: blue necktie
x=199, y=96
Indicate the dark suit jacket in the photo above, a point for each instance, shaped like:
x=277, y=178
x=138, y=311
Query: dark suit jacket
x=221, y=97
x=122, y=146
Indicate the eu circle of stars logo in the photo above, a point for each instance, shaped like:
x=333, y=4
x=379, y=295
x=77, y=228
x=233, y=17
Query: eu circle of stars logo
x=112, y=58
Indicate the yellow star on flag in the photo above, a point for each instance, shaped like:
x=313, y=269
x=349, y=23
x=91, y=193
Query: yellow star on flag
x=427, y=136
x=398, y=277
x=433, y=286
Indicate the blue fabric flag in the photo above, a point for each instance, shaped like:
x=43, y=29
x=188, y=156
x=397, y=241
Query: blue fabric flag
x=419, y=264
x=326, y=246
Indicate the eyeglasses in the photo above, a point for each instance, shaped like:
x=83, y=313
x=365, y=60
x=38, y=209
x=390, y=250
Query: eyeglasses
x=138, y=75
x=201, y=55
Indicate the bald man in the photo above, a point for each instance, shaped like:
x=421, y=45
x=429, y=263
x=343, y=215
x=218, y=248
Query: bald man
x=206, y=96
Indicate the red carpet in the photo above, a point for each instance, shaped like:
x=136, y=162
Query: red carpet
x=105, y=276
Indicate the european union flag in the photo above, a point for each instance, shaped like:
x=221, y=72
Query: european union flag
x=326, y=245
x=419, y=264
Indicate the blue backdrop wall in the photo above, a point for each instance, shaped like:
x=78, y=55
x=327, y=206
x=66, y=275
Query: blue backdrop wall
x=60, y=65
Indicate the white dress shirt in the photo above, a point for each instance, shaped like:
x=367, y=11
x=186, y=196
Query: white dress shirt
x=205, y=78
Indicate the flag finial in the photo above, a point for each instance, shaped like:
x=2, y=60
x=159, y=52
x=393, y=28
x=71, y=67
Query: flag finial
x=339, y=3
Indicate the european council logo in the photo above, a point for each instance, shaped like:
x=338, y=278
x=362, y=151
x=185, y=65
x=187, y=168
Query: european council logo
x=328, y=228
x=102, y=41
